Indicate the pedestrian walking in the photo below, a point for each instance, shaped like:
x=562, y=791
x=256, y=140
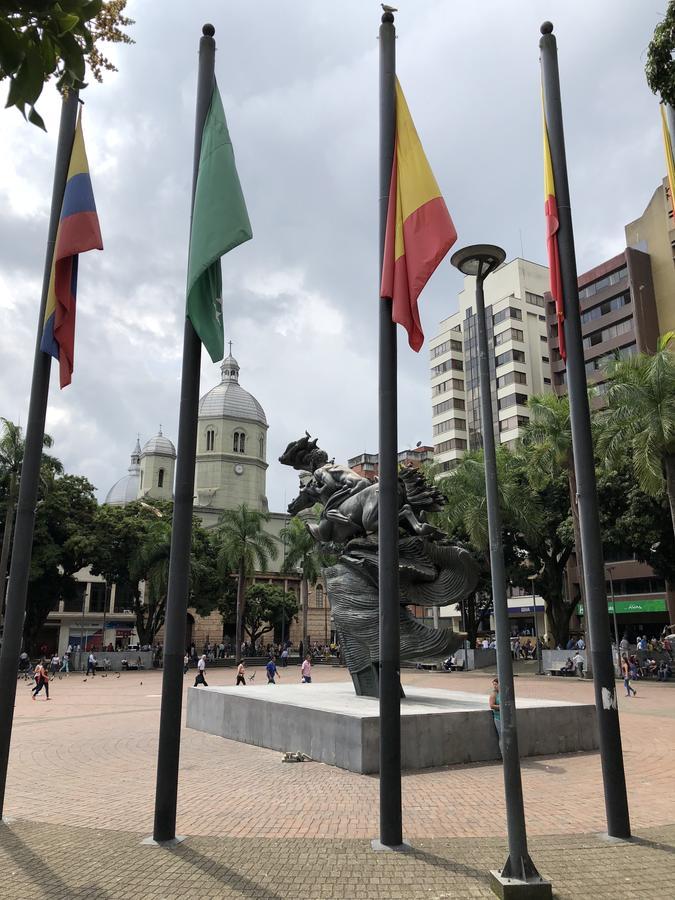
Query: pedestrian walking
x=55, y=664
x=65, y=662
x=241, y=674
x=307, y=670
x=625, y=670
x=201, y=668
x=91, y=664
x=493, y=701
x=41, y=680
x=271, y=669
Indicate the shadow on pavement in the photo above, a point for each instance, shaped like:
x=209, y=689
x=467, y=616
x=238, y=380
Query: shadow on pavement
x=224, y=874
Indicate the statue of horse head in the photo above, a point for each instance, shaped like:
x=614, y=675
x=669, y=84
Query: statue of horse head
x=308, y=496
x=304, y=454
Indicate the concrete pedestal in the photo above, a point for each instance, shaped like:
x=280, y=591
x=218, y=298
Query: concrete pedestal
x=331, y=724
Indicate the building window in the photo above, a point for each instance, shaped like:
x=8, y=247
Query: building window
x=602, y=283
x=239, y=445
x=606, y=334
x=510, y=356
x=210, y=439
x=511, y=334
x=512, y=400
x=511, y=312
x=545, y=359
x=513, y=423
x=452, y=383
x=452, y=444
x=534, y=299
x=445, y=347
x=542, y=337
x=452, y=403
x=261, y=444
x=450, y=425
x=514, y=377
x=449, y=365
x=547, y=380
x=160, y=478
x=319, y=596
x=141, y=484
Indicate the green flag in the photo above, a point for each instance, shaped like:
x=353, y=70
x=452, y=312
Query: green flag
x=219, y=223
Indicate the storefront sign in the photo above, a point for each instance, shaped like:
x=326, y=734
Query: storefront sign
x=638, y=605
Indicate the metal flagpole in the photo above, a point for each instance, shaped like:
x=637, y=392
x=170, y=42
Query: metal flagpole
x=166, y=790
x=519, y=872
x=30, y=469
x=614, y=780
x=391, y=827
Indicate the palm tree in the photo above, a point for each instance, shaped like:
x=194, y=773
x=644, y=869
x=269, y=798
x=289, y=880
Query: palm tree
x=242, y=544
x=302, y=552
x=150, y=565
x=641, y=416
x=11, y=459
x=548, y=439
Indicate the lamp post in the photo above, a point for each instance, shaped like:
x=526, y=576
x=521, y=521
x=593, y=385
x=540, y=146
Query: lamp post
x=610, y=569
x=519, y=872
x=532, y=579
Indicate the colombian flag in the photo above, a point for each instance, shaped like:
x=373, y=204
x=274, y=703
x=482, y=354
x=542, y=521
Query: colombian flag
x=552, y=225
x=668, y=147
x=78, y=232
x=419, y=229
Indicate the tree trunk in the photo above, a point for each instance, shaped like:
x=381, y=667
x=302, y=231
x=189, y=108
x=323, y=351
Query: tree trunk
x=669, y=465
x=572, y=481
x=304, y=596
x=239, y=630
x=6, y=542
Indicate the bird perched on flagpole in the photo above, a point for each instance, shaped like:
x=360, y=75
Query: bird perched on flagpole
x=388, y=8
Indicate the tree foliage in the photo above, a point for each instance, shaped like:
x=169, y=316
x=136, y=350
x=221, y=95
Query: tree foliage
x=44, y=39
x=266, y=605
x=660, y=65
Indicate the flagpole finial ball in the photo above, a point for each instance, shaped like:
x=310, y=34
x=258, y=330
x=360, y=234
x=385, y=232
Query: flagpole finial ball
x=387, y=17
x=208, y=30
x=546, y=27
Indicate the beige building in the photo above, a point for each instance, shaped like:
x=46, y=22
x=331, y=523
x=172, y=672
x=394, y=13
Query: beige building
x=519, y=361
x=654, y=233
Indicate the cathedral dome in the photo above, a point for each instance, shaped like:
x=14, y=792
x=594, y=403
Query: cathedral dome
x=126, y=489
x=228, y=400
x=159, y=444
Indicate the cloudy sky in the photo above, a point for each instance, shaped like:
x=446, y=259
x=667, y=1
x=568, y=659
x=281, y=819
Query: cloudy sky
x=299, y=82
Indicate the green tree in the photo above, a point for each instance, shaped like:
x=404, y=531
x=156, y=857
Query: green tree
x=131, y=550
x=56, y=38
x=660, y=65
x=548, y=437
x=241, y=544
x=266, y=604
x=62, y=545
x=641, y=418
x=11, y=459
x=303, y=553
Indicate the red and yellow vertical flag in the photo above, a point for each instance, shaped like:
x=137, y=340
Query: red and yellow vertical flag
x=419, y=229
x=78, y=232
x=668, y=147
x=552, y=225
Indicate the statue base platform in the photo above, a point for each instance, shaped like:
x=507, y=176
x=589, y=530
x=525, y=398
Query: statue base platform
x=330, y=724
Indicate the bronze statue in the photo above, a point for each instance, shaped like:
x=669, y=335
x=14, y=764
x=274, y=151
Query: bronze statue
x=432, y=570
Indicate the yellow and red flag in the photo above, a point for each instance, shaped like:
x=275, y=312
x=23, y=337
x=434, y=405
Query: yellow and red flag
x=419, y=229
x=552, y=225
x=668, y=147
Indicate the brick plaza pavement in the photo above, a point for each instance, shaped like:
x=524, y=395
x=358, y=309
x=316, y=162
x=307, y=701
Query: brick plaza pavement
x=81, y=788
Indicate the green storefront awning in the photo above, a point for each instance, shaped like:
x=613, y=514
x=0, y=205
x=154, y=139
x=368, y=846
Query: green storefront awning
x=636, y=605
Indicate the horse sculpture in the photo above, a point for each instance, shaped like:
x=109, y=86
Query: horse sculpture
x=432, y=571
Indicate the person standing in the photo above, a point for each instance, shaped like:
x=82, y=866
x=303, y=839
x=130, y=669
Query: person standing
x=493, y=701
x=65, y=662
x=55, y=663
x=91, y=664
x=625, y=671
x=307, y=670
x=241, y=674
x=271, y=669
x=284, y=657
x=201, y=668
x=186, y=664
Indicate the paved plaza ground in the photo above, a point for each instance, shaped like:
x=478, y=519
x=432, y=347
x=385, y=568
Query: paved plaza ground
x=81, y=789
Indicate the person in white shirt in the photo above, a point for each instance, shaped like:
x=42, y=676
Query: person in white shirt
x=580, y=644
x=91, y=664
x=578, y=661
x=486, y=644
x=201, y=667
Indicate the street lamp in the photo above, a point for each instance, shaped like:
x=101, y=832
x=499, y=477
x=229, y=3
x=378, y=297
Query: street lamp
x=480, y=261
x=537, y=642
x=610, y=569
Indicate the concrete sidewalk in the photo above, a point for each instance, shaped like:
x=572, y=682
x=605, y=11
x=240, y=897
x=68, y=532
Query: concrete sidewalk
x=73, y=863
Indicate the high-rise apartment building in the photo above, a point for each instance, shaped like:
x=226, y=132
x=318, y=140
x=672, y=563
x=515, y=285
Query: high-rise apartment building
x=519, y=360
x=618, y=316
